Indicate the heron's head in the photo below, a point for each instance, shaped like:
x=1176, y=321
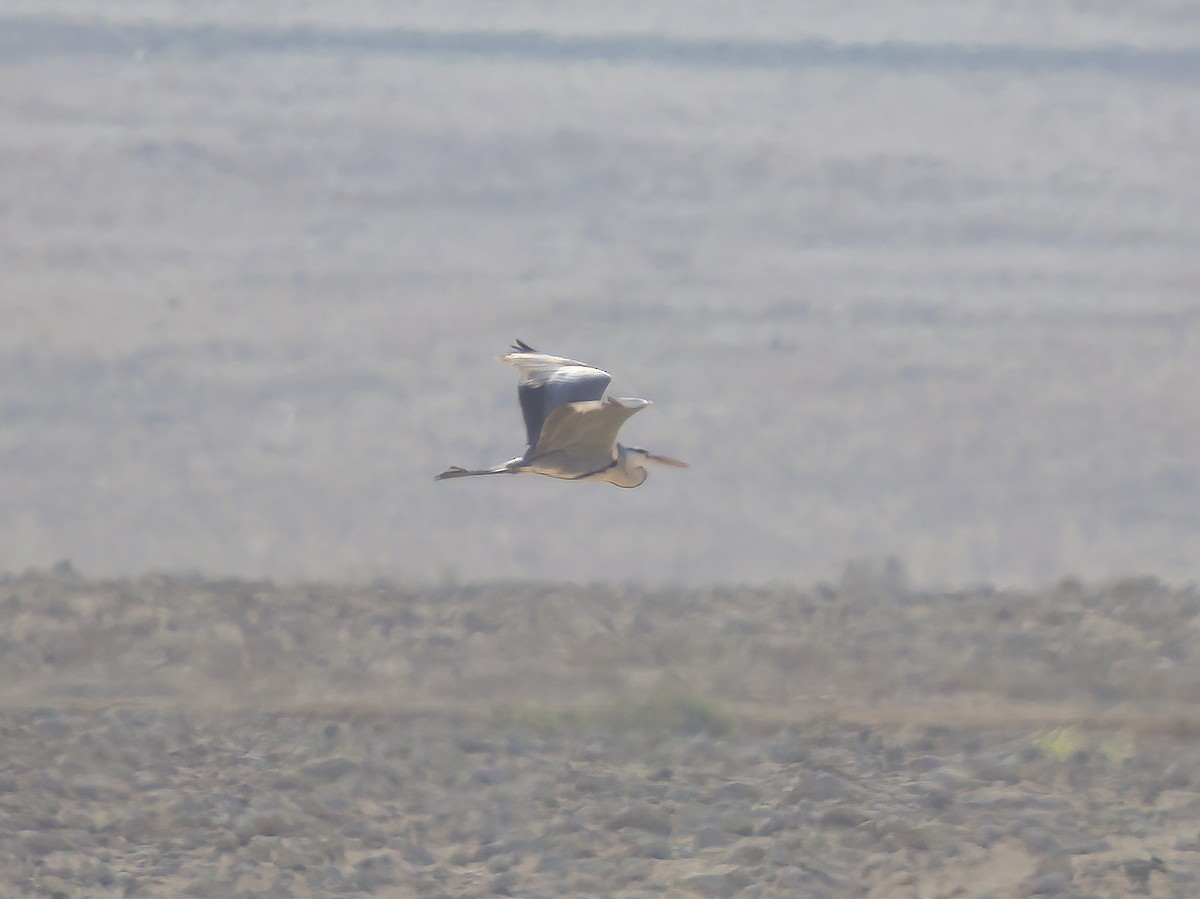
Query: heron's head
x=644, y=457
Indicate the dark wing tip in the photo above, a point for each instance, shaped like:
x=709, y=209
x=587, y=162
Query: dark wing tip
x=522, y=347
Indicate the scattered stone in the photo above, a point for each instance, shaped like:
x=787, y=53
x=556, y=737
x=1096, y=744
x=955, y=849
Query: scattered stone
x=374, y=872
x=416, y=855
x=711, y=836
x=747, y=854
x=925, y=763
x=490, y=776
x=500, y=863
x=1040, y=840
x=1138, y=870
x=822, y=787
x=716, y=885
x=1049, y=884
x=43, y=842
x=475, y=744
x=649, y=846
x=844, y=816
x=505, y=884
x=272, y=824
x=738, y=791
x=789, y=752
x=651, y=818
x=329, y=770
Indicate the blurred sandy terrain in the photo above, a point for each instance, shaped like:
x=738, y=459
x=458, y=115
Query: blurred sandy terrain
x=892, y=294
x=189, y=737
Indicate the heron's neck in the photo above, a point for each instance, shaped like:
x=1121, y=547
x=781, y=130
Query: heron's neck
x=628, y=472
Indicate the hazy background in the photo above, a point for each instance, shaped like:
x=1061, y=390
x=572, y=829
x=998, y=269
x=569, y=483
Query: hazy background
x=915, y=280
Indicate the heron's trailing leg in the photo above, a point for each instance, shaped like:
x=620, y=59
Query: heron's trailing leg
x=457, y=471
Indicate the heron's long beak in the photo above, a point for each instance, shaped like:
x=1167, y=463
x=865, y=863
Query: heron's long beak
x=666, y=460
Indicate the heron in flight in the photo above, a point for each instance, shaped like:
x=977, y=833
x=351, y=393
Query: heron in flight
x=571, y=426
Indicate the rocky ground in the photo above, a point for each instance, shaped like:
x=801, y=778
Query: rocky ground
x=177, y=736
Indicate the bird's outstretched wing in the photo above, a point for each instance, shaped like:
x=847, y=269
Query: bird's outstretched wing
x=549, y=382
x=582, y=437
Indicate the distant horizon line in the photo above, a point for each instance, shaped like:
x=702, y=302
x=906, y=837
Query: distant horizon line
x=27, y=38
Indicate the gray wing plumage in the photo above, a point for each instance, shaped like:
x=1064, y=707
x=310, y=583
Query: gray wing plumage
x=581, y=437
x=550, y=382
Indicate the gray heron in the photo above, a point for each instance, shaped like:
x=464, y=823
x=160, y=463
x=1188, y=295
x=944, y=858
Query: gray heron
x=571, y=426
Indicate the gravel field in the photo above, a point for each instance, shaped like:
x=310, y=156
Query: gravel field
x=176, y=736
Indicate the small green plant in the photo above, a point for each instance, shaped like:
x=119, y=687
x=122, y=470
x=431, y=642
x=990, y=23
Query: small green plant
x=664, y=712
x=534, y=717
x=1063, y=743
x=669, y=711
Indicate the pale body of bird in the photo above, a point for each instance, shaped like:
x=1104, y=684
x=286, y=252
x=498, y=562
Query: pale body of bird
x=571, y=427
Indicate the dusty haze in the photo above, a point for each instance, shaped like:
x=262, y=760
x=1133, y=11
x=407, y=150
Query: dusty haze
x=893, y=293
